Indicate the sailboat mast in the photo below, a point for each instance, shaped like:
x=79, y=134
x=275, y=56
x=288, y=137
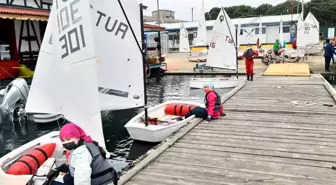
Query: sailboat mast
x=234, y=42
x=144, y=62
x=141, y=48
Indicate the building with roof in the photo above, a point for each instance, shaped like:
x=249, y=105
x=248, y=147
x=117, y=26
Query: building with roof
x=22, y=26
x=165, y=16
x=249, y=29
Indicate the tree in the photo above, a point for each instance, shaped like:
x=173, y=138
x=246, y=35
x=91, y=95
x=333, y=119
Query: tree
x=323, y=10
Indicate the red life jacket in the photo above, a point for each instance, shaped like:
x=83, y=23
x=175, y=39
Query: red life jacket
x=249, y=54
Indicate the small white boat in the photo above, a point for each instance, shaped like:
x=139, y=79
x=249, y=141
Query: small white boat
x=9, y=160
x=157, y=133
x=222, y=53
x=224, y=82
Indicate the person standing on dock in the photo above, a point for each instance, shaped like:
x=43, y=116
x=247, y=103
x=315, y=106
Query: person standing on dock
x=294, y=44
x=329, y=52
x=213, y=102
x=276, y=47
x=249, y=62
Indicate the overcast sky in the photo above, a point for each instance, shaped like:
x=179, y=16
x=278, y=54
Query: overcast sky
x=182, y=8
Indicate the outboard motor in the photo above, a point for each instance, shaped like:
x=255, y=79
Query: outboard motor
x=14, y=100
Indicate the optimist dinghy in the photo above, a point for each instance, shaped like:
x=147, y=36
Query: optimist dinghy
x=157, y=123
x=222, y=53
x=164, y=120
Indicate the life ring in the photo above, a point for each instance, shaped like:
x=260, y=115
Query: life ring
x=28, y=164
x=178, y=109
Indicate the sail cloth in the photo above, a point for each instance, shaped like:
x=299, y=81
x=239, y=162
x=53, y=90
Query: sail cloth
x=120, y=63
x=201, y=39
x=307, y=31
x=222, y=51
x=184, y=41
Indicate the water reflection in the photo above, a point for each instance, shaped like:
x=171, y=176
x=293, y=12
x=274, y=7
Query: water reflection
x=117, y=139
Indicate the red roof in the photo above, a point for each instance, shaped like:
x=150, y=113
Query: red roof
x=153, y=26
x=24, y=11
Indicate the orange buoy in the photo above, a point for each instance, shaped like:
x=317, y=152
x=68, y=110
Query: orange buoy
x=29, y=163
x=178, y=109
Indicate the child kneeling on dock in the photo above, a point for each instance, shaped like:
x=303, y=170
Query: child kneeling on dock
x=214, y=108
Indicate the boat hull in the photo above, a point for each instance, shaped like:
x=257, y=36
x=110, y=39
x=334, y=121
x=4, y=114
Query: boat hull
x=8, y=159
x=219, y=83
x=156, y=133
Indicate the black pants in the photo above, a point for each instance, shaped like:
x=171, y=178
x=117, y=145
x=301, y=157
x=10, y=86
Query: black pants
x=67, y=180
x=327, y=63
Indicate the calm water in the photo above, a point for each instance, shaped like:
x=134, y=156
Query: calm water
x=116, y=136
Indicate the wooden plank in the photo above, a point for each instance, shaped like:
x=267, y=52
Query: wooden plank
x=268, y=124
x=240, y=168
x=271, y=131
x=255, y=151
x=293, y=136
x=176, y=151
x=265, y=146
x=221, y=137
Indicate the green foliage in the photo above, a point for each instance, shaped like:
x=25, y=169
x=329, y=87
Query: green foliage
x=323, y=10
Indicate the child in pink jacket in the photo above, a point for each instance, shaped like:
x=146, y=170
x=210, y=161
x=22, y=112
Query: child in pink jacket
x=213, y=102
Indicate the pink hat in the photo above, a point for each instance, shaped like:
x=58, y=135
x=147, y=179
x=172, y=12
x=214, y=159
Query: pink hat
x=72, y=130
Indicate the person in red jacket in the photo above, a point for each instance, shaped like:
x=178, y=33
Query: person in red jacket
x=294, y=44
x=248, y=55
x=213, y=102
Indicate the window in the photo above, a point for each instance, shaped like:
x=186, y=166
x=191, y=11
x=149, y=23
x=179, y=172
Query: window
x=257, y=31
x=5, y=53
x=241, y=31
x=286, y=29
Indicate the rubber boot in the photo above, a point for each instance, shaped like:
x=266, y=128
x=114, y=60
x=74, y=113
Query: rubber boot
x=248, y=77
x=251, y=77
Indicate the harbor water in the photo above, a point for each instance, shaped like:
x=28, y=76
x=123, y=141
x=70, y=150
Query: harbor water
x=117, y=139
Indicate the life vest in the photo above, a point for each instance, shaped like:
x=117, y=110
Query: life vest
x=102, y=170
x=218, y=101
x=249, y=54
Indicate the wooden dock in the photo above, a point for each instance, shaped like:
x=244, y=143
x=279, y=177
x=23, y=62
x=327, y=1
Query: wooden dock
x=278, y=131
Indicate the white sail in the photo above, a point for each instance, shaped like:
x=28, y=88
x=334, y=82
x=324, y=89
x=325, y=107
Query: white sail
x=222, y=51
x=74, y=62
x=39, y=100
x=301, y=33
x=120, y=67
x=281, y=32
x=201, y=30
x=184, y=41
x=312, y=28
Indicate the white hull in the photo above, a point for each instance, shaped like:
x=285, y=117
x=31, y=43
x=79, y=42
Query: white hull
x=46, y=118
x=225, y=82
x=156, y=133
x=8, y=159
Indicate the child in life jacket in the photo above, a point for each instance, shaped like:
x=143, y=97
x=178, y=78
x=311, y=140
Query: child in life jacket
x=213, y=102
x=248, y=55
x=87, y=162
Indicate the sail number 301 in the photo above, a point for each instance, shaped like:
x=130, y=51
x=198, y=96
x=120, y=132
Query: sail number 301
x=73, y=40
